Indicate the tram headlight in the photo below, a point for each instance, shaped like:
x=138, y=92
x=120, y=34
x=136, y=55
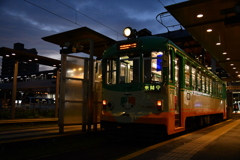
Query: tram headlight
x=160, y=105
x=110, y=105
x=129, y=32
x=104, y=104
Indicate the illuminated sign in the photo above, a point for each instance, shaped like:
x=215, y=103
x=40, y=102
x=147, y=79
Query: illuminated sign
x=151, y=87
x=128, y=46
x=233, y=87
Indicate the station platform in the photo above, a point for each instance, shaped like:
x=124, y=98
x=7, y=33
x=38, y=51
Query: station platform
x=217, y=142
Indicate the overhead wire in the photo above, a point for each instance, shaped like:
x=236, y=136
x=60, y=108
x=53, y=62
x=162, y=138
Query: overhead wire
x=161, y=15
x=161, y=3
x=87, y=16
x=53, y=13
x=68, y=19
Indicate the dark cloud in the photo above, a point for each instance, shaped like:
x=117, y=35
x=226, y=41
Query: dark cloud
x=27, y=23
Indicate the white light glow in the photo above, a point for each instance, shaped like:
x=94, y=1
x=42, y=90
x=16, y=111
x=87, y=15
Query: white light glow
x=127, y=32
x=199, y=15
x=209, y=30
x=156, y=54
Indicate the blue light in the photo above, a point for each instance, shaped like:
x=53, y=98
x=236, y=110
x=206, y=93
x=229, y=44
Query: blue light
x=159, y=63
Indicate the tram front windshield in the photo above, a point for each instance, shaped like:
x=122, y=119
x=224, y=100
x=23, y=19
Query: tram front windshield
x=134, y=69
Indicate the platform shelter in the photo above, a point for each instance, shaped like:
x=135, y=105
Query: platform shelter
x=80, y=82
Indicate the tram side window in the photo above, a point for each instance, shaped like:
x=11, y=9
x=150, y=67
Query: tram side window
x=187, y=75
x=194, y=78
x=214, y=88
x=207, y=85
x=203, y=83
x=219, y=90
x=176, y=70
x=210, y=86
x=170, y=66
x=111, y=72
x=199, y=80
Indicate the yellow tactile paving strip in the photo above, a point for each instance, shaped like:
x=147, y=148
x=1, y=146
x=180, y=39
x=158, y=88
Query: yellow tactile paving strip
x=187, y=150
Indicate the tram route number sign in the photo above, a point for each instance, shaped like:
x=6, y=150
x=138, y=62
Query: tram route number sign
x=151, y=87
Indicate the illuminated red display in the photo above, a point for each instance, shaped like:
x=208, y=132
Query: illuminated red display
x=127, y=46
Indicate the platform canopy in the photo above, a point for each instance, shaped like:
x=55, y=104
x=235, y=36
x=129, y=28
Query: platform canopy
x=79, y=37
x=28, y=57
x=215, y=24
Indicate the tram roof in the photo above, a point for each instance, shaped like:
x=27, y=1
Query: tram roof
x=25, y=56
x=219, y=16
x=101, y=42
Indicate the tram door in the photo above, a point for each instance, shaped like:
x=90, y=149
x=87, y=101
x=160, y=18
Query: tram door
x=178, y=69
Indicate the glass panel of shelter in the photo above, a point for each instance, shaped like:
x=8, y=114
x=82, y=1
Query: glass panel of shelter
x=75, y=85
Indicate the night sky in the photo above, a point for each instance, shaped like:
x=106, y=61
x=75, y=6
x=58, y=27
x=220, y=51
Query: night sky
x=27, y=21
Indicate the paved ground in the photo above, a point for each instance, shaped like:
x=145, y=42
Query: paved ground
x=221, y=141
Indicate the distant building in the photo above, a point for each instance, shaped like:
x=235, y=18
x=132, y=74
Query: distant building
x=23, y=67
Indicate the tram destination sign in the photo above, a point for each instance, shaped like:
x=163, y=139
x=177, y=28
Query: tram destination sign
x=151, y=87
x=127, y=46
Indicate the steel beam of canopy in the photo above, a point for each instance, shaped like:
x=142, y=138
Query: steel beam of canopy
x=57, y=93
x=14, y=90
x=24, y=56
x=91, y=89
x=62, y=97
